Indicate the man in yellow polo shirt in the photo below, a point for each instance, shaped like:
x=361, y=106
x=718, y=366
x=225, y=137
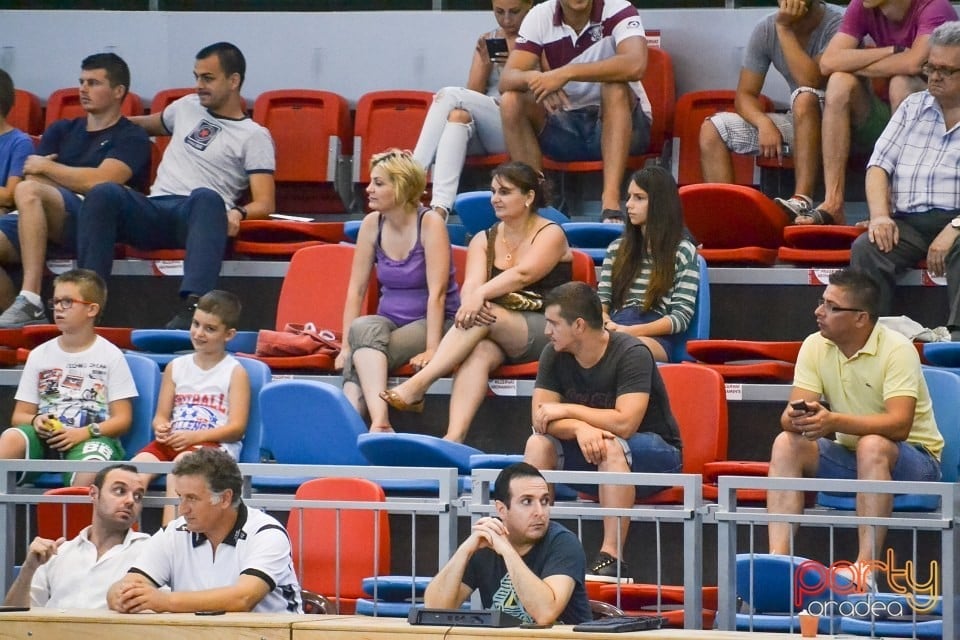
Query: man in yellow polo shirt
x=879, y=410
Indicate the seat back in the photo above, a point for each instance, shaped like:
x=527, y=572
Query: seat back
x=309, y=422
x=698, y=401
x=660, y=85
x=309, y=129
x=691, y=110
x=63, y=520
x=729, y=216
x=65, y=103
x=583, y=268
x=335, y=549
x=147, y=376
x=161, y=100
x=300, y=300
x=699, y=327
x=27, y=113
x=259, y=375
x=944, y=387
x=386, y=119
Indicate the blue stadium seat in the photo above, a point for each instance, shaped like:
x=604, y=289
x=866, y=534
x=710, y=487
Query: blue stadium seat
x=699, y=327
x=592, y=238
x=476, y=211
x=259, y=375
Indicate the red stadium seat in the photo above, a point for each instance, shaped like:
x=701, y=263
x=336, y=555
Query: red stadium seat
x=283, y=238
x=747, y=359
x=160, y=102
x=818, y=244
x=27, y=113
x=384, y=120
x=692, y=109
x=734, y=224
x=311, y=129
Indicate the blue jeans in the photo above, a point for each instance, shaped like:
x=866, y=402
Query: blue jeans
x=646, y=453
x=913, y=463
x=572, y=136
x=198, y=223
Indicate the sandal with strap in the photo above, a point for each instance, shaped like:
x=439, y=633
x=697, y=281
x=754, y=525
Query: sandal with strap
x=393, y=399
x=817, y=217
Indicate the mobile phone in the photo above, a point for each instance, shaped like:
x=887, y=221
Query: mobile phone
x=799, y=405
x=496, y=47
x=209, y=613
x=11, y=607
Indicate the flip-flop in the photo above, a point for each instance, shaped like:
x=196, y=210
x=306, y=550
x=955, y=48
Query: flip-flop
x=393, y=399
x=818, y=216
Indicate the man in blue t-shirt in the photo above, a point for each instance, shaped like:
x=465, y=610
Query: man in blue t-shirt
x=15, y=146
x=73, y=156
x=522, y=563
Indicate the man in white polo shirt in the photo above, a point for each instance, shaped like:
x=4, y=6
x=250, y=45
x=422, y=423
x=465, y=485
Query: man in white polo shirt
x=77, y=574
x=217, y=556
x=571, y=89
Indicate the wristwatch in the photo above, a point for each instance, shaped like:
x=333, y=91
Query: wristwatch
x=94, y=430
x=955, y=223
x=242, y=210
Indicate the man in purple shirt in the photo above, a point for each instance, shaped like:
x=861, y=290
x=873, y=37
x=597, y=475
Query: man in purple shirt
x=853, y=116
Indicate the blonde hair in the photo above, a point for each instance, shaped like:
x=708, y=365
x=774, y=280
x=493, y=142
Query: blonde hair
x=406, y=175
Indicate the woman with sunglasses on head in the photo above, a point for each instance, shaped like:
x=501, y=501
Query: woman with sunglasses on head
x=466, y=120
x=410, y=248
x=650, y=276
x=510, y=268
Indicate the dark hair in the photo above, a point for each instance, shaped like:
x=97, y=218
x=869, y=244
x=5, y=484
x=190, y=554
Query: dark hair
x=860, y=286
x=576, y=300
x=659, y=237
x=525, y=178
x=230, y=57
x=216, y=467
x=223, y=305
x=101, y=476
x=501, y=486
x=7, y=94
x=117, y=70
x=91, y=285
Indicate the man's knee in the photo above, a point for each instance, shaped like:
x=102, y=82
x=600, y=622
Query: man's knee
x=876, y=454
x=616, y=94
x=785, y=453
x=840, y=89
x=206, y=207
x=512, y=104
x=27, y=193
x=103, y=198
x=615, y=459
x=862, y=251
x=539, y=451
x=805, y=105
x=710, y=139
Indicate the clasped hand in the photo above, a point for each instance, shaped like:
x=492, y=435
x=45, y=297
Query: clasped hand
x=811, y=424
x=492, y=533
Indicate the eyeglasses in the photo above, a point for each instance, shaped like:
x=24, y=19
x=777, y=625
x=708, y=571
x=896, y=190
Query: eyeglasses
x=65, y=303
x=389, y=155
x=946, y=72
x=829, y=307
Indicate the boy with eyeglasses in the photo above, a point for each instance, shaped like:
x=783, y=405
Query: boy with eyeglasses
x=74, y=396
x=861, y=382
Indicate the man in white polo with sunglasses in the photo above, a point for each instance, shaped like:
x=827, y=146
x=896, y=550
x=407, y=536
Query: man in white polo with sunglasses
x=912, y=183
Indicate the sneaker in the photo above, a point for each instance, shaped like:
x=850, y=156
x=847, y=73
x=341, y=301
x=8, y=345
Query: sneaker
x=22, y=313
x=796, y=205
x=606, y=568
x=184, y=318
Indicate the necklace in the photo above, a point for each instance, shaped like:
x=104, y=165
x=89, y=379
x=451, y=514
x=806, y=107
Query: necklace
x=513, y=249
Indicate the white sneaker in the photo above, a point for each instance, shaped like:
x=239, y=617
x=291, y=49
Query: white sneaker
x=22, y=313
x=797, y=205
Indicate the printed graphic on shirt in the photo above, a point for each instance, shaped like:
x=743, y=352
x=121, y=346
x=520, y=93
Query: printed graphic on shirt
x=505, y=598
x=203, y=134
x=198, y=411
x=75, y=394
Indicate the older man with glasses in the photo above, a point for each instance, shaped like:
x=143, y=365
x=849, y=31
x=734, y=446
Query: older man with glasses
x=860, y=382
x=912, y=183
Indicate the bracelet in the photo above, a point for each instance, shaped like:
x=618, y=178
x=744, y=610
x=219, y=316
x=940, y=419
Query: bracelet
x=33, y=423
x=242, y=210
x=899, y=48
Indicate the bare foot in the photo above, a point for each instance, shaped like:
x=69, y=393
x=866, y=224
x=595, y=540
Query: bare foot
x=384, y=428
x=819, y=216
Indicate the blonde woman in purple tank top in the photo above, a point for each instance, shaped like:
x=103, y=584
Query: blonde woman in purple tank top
x=410, y=248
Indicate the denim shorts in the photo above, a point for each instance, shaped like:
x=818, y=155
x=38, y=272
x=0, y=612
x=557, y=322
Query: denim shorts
x=632, y=315
x=645, y=452
x=573, y=136
x=71, y=204
x=913, y=464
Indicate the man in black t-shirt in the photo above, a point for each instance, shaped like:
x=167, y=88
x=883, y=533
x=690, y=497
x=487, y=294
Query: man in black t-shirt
x=600, y=404
x=522, y=563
